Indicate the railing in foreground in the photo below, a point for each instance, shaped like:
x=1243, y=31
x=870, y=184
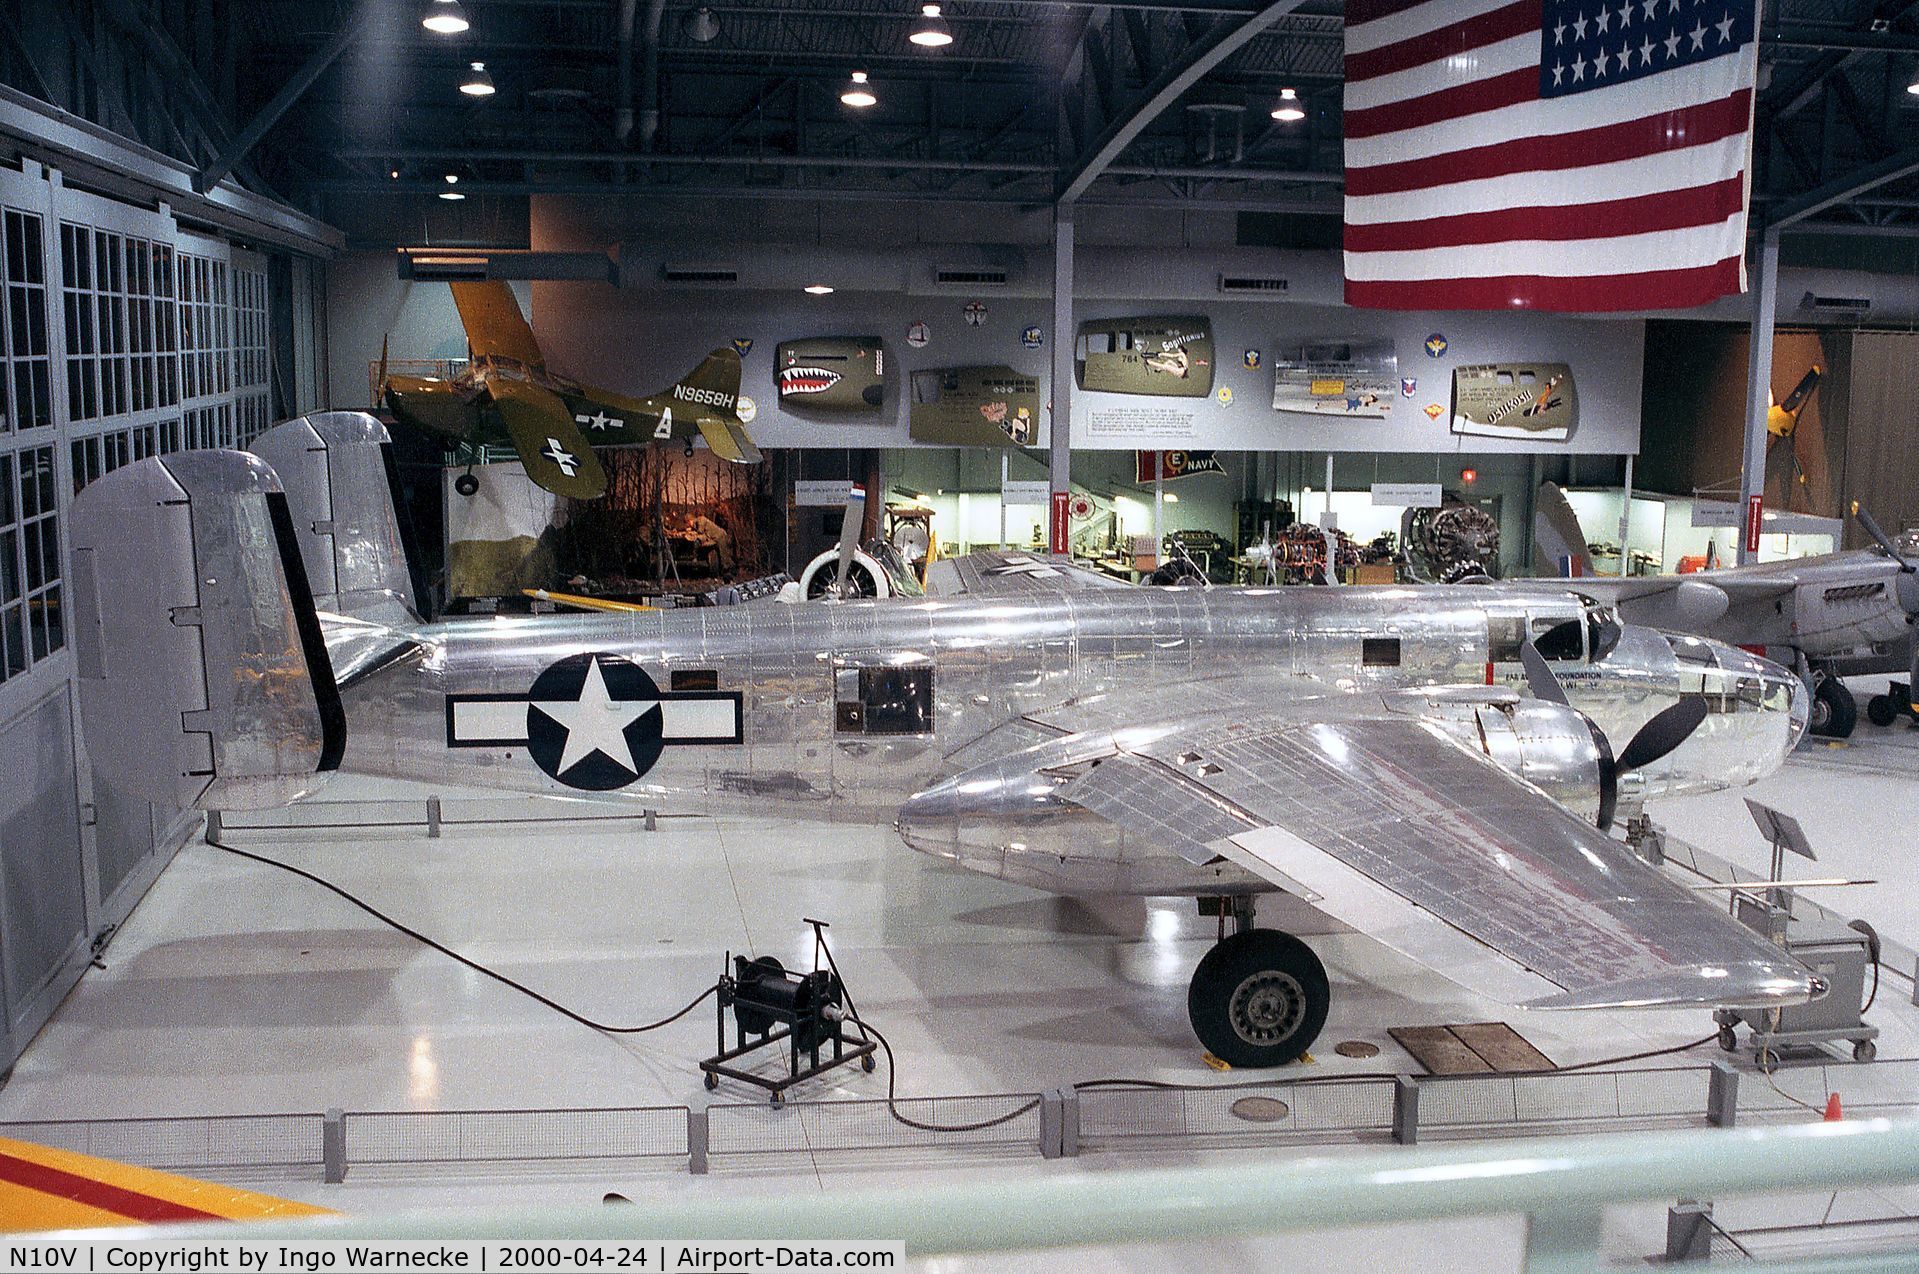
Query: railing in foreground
x=1561, y=1185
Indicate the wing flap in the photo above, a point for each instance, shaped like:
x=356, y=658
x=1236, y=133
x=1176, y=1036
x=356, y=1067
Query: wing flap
x=1011, y=574
x=1452, y=836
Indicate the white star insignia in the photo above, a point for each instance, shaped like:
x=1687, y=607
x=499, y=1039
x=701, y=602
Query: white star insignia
x=1579, y=28
x=1579, y=68
x=1625, y=57
x=1698, y=35
x=1672, y=45
x=1672, y=7
x=1651, y=6
x=596, y=722
x=1559, y=73
x=1602, y=21
x=1645, y=54
x=1725, y=29
x=1625, y=15
x=1559, y=35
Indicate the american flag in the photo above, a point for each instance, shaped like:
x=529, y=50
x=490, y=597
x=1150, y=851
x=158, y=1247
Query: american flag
x=1547, y=154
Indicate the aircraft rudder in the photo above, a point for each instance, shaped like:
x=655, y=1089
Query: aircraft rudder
x=203, y=675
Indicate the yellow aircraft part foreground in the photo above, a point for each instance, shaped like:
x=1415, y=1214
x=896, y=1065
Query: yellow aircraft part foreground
x=584, y=603
x=46, y=1189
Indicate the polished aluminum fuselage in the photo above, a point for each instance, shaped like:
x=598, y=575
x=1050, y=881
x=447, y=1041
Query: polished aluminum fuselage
x=991, y=659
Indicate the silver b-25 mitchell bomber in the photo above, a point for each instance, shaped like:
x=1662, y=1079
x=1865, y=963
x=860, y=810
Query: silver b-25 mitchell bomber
x=245, y=628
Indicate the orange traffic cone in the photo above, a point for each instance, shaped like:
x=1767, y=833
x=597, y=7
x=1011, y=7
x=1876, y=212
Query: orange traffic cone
x=1833, y=1113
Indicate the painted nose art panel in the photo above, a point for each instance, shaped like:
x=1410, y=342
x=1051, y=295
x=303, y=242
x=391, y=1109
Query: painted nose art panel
x=831, y=373
x=1534, y=401
x=1161, y=357
x=974, y=407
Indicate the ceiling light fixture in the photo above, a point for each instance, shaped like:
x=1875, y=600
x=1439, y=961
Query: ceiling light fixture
x=818, y=289
x=1288, y=111
x=452, y=179
x=931, y=31
x=445, y=17
x=476, y=82
x=857, y=93
x=701, y=25
x=1913, y=88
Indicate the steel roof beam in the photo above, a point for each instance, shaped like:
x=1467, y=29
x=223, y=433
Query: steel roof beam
x=1841, y=189
x=269, y=115
x=1226, y=38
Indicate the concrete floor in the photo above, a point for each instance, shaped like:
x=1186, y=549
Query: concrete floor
x=235, y=988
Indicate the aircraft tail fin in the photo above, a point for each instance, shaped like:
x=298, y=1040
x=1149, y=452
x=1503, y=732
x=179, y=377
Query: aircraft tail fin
x=1559, y=544
x=714, y=388
x=342, y=489
x=203, y=672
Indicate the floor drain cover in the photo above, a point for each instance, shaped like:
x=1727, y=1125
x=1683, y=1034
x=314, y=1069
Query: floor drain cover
x=1356, y=1048
x=1261, y=1110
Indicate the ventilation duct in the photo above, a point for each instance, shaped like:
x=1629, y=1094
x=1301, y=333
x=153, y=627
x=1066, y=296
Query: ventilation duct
x=700, y=276
x=970, y=276
x=1253, y=283
x=1836, y=304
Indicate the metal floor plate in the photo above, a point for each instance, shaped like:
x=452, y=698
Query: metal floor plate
x=1471, y=1048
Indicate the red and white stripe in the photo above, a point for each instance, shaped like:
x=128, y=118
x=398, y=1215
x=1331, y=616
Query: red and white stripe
x=1466, y=190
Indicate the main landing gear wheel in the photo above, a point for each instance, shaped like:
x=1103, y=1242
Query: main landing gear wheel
x=1834, y=711
x=466, y=484
x=1879, y=710
x=1258, y=999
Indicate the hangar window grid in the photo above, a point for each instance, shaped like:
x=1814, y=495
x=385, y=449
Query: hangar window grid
x=206, y=332
x=26, y=392
x=30, y=578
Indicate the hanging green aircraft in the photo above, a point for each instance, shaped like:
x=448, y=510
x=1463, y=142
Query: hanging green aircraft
x=508, y=396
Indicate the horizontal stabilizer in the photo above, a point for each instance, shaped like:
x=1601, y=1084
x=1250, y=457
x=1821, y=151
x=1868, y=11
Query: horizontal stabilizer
x=204, y=680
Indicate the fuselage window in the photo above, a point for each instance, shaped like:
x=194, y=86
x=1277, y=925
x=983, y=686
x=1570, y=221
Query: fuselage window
x=1505, y=634
x=889, y=701
x=1560, y=639
x=696, y=679
x=1379, y=652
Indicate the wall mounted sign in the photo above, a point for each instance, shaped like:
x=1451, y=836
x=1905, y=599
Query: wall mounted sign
x=973, y=407
x=1336, y=378
x=1526, y=401
x=831, y=373
x=1407, y=495
x=1162, y=357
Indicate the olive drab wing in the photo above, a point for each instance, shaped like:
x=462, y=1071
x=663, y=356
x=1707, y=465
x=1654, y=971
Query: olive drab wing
x=507, y=394
x=556, y=454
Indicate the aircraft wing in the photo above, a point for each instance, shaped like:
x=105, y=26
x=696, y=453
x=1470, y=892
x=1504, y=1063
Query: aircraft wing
x=495, y=328
x=1432, y=849
x=1000, y=574
x=42, y=1188
x=556, y=454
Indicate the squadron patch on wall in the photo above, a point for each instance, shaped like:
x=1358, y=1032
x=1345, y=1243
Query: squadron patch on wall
x=594, y=721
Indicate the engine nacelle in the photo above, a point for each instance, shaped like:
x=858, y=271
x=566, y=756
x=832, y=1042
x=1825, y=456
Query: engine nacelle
x=1555, y=748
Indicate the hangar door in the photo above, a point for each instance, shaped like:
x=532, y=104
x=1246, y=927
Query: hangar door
x=122, y=336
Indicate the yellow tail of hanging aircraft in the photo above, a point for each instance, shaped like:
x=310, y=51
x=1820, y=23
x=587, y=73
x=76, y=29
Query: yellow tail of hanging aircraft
x=508, y=396
x=42, y=1188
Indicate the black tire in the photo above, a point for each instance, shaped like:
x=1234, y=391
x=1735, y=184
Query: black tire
x=868, y=1065
x=466, y=484
x=1258, y=999
x=1834, y=711
x=1728, y=1039
x=1864, y=1051
x=1879, y=710
x=712, y=1081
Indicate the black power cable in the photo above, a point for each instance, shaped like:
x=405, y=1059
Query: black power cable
x=852, y=1016
x=451, y=954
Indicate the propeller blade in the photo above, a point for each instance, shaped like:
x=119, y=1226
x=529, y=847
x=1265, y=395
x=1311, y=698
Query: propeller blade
x=1539, y=675
x=1667, y=730
x=380, y=391
x=1881, y=538
x=849, y=538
